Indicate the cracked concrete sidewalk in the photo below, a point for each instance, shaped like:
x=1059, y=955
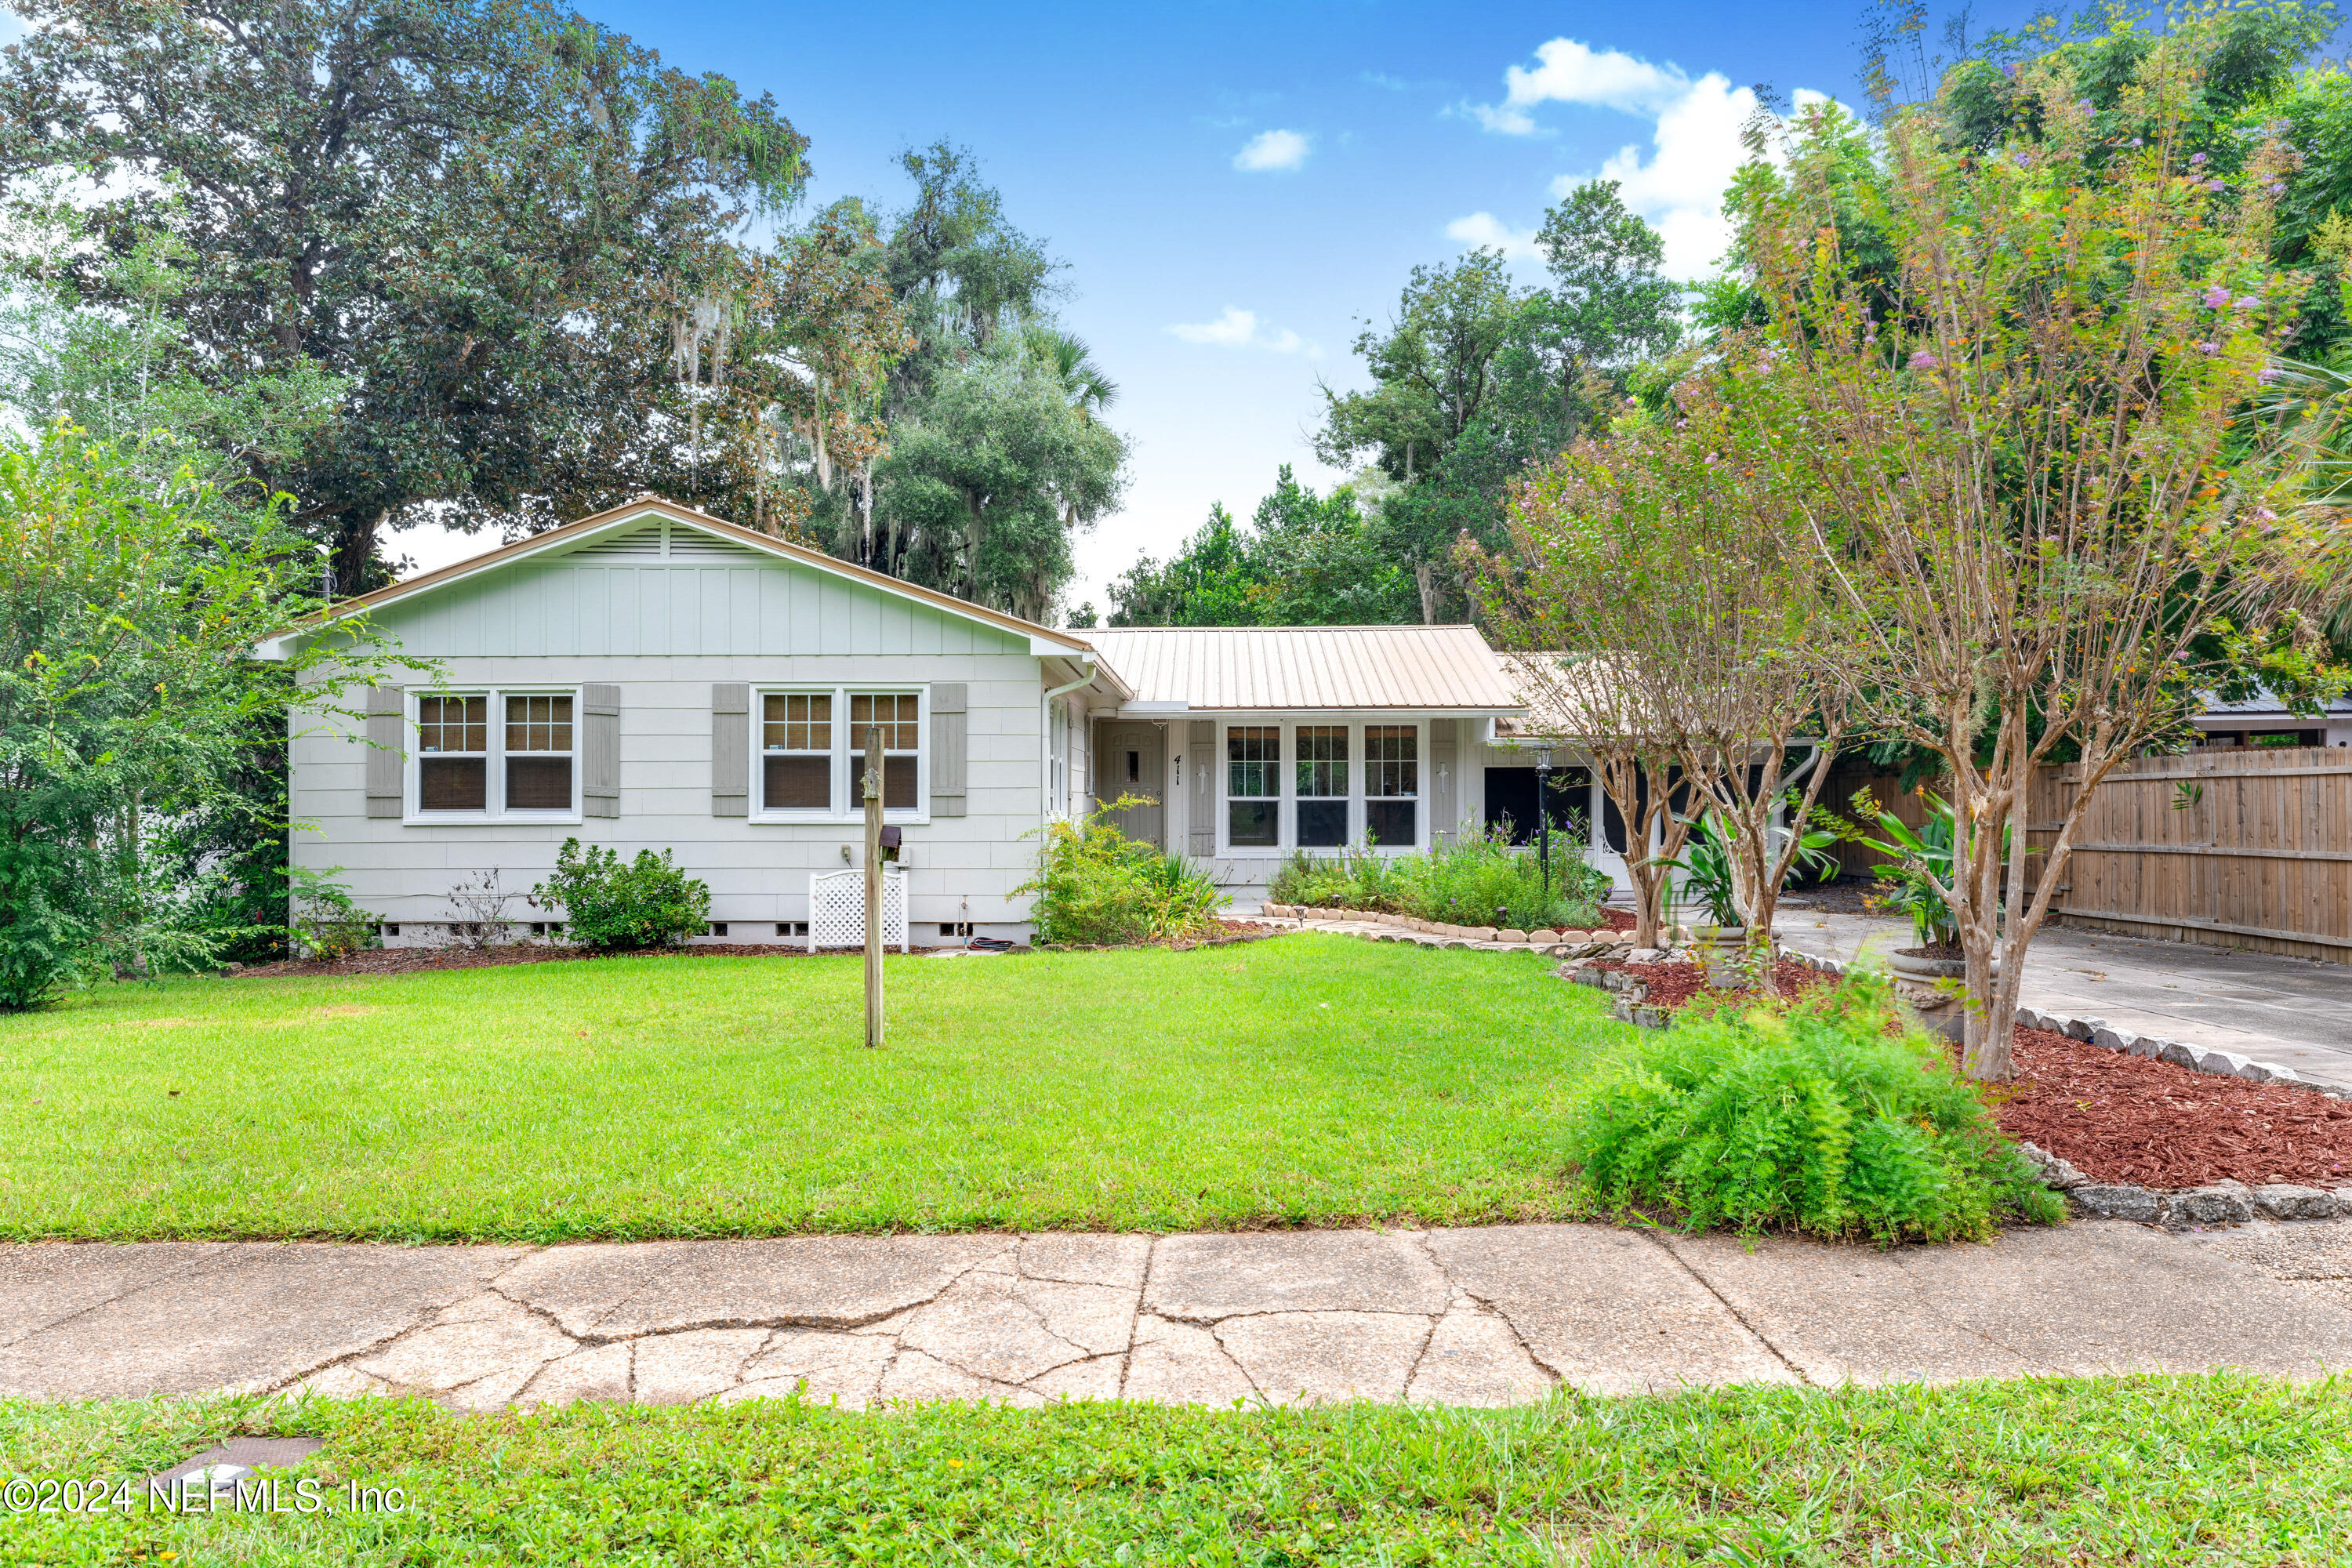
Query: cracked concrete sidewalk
x=1490, y=1316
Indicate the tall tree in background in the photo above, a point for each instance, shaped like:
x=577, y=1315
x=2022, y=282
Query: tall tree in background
x=1475, y=379
x=1306, y=560
x=479, y=218
x=997, y=453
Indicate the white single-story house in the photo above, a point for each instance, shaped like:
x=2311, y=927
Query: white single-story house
x=654, y=677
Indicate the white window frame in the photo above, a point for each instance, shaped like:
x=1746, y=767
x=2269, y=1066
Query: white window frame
x=848, y=754
x=1285, y=780
x=494, y=757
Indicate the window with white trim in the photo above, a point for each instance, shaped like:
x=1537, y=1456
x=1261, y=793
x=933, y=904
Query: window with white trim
x=896, y=712
x=1254, y=785
x=1321, y=810
x=538, y=751
x=494, y=753
x=796, y=751
x=811, y=749
x=453, y=753
x=1393, y=784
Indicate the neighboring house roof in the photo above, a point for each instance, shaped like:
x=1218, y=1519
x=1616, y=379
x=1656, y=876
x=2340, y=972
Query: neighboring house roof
x=1306, y=669
x=2266, y=706
x=1042, y=639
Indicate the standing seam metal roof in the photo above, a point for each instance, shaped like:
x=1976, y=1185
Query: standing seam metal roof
x=1292, y=669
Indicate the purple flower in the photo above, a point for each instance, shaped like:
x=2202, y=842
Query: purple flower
x=2195, y=159
x=2250, y=302
x=2085, y=105
x=2216, y=185
x=2216, y=297
x=2267, y=376
x=2024, y=160
x=1921, y=359
x=2277, y=187
x=2137, y=143
x=2210, y=348
x=2265, y=514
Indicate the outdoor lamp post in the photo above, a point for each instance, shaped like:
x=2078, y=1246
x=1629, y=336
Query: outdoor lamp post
x=1543, y=823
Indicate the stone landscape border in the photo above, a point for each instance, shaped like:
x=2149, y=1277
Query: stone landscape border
x=1435, y=933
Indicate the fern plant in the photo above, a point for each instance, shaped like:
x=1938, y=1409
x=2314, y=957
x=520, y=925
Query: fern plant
x=1811, y=1117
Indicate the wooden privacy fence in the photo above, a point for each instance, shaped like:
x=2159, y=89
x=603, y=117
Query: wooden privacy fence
x=2233, y=847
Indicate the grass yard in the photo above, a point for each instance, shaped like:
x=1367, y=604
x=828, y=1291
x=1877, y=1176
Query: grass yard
x=2149, y=1470
x=1304, y=1080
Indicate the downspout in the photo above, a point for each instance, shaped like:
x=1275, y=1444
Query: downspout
x=1045, y=770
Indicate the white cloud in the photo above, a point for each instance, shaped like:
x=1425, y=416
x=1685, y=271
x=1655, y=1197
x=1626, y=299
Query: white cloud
x=1569, y=72
x=1273, y=150
x=1239, y=329
x=1487, y=229
x=1678, y=184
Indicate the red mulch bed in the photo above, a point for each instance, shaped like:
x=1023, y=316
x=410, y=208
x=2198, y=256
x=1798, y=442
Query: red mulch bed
x=1617, y=920
x=1676, y=985
x=2135, y=1120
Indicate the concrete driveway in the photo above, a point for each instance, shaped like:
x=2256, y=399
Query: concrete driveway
x=2291, y=1011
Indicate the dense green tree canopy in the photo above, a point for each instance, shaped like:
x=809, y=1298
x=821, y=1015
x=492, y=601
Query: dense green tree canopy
x=469, y=213
x=1304, y=560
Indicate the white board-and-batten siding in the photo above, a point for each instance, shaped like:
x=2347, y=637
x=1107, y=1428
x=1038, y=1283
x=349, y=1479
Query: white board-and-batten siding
x=664, y=631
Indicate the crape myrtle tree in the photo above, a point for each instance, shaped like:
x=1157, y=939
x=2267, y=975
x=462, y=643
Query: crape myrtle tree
x=479, y=218
x=1663, y=554
x=2023, y=453
x=133, y=596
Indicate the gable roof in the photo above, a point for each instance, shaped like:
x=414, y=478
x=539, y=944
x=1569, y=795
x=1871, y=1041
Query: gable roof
x=1293, y=669
x=616, y=520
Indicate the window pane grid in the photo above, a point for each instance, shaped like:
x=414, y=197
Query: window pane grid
x=796, y=721
x=896, y=712
x=1322, y=762
x=453, y=724
x=539, y=723
x=1252, y=762
x=1392, y=761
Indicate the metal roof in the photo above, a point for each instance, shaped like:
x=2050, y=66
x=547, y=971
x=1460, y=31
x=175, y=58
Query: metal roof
x=1307, y=668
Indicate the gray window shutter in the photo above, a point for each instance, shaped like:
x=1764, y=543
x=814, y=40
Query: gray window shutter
x=1204, y=747
x=1444, y=816
x=600, y=750
x=951, y=746
x=731, y=748
x=386, y=758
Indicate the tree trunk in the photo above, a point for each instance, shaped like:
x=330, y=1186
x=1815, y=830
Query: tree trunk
x=1423, y=579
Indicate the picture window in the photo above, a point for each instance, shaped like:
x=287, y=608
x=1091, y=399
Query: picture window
x=1322, y=772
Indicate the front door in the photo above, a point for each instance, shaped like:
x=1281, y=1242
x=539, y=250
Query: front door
x=1128, y=763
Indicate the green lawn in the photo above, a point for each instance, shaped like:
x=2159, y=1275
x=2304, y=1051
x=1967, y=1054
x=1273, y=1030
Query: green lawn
x=2147, y=1471
x=1308, y=1078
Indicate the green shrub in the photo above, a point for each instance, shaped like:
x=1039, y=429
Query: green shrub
x=1481, y=882
x=1096, y=885
x=609, y=905
x=327, y=923
x=1811, y=1117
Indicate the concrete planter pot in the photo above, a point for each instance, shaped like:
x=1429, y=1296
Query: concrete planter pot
x=1724, y=950
x=1930, y=988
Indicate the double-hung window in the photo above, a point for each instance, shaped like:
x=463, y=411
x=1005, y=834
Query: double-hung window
x=1392, y=783
x=796, y=751
x=521, y=764
x=812, y=752
x=897, y=715
x=1322, y=804
x=1254, y=785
